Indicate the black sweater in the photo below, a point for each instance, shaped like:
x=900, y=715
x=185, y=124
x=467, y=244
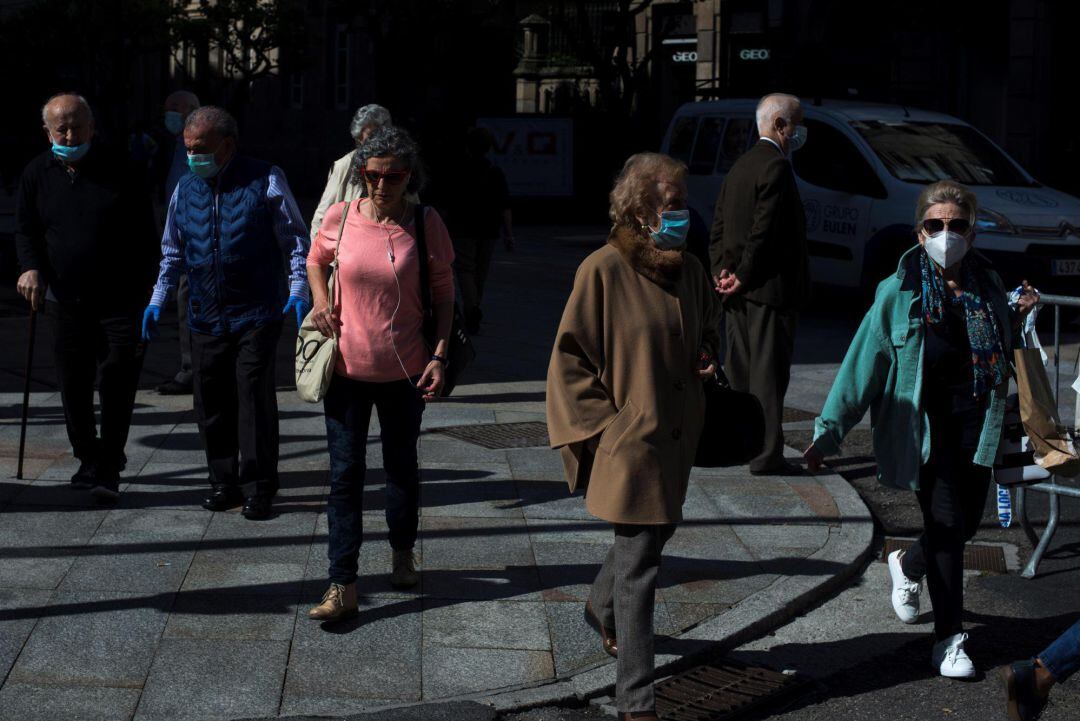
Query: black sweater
x=91, y=232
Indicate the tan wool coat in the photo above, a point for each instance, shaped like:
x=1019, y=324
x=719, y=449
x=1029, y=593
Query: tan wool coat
x=625, y=404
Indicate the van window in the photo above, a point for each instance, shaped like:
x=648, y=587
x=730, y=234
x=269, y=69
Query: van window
x=927, y=152
x=706, y=146
x=682, y=138
x=737, y=136
x=830, y=160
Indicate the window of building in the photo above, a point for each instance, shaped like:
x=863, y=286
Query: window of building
x=737, y=136
x=342, y=65
x=830, y=160
x=682, y=138
x=707, y=145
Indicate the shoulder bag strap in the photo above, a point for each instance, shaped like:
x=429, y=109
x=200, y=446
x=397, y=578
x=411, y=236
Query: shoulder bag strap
x=422, y=257
x=334, y=287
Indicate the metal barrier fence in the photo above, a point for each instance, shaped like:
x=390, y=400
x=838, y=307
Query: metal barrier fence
x=1052, y=488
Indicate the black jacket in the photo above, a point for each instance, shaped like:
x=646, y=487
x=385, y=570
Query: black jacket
x=759, y=229
x=91, y=234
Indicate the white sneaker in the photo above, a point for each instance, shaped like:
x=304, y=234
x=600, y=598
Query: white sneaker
x=950, y=659
x=905, y=592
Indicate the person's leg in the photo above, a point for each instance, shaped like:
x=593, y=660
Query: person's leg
x=737, y=359
x=400, y=408
x=771, y=334
x=637, y=562
x=119, y=381
x=184, y=375
x=465, y=249
x=943, y=547
x=74, y=349
x=913, y=561
x=214, y=383
x=257, y=411
x=485, y=248
x=602, y=593
x=347, y=408
x=1062, y=657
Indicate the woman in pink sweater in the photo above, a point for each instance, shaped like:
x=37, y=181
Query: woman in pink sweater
x=384, y=360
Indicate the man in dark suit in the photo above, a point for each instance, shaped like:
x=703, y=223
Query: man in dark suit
x=759, y=262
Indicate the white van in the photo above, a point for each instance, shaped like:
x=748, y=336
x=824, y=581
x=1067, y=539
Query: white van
x=860, y=173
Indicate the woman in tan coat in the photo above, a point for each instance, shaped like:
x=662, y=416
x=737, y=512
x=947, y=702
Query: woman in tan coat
x=625, y=403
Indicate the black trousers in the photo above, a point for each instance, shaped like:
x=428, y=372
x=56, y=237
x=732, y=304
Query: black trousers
x=96, y=344
x=236, y=405
x=472, y=259
x=952, y=496
x=760, y=343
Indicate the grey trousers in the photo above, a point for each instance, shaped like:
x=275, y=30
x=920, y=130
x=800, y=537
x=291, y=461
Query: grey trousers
x=760, y=344
x=623, y=596
x=185, y=374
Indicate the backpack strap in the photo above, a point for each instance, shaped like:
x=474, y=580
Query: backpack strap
x=419, y=217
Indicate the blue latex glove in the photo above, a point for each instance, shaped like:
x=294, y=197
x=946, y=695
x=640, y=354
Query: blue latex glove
x=300, y=306
x=150, y=318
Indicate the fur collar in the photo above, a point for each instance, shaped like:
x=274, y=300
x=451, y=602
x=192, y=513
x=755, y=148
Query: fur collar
x=663, y=267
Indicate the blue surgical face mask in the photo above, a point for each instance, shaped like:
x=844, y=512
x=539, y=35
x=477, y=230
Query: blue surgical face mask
x=174, y=122
x=70, y=153
x=674, y=225
x=797, y=139
x=203, y=165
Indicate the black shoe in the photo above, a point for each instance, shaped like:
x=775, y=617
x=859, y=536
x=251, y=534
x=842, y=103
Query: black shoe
x=257, y=507
x=784, y=469
x=223, y=498
x=173, y=388
x=106, y=485
x=86, y=476
x=1022, y=702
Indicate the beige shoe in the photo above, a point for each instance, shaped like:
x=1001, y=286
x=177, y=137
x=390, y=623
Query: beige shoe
x=404, y=574
x=337, y=603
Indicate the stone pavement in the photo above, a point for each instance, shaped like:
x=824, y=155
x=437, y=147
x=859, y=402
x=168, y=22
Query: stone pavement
x=157, y=609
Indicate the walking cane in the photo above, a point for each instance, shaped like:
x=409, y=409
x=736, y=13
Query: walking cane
x=26, y=390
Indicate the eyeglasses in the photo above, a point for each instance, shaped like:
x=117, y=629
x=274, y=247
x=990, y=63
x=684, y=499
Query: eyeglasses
x=936, y=225
x=394, y=177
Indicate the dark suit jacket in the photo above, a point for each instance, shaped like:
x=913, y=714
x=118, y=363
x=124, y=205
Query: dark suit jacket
x=759, y=229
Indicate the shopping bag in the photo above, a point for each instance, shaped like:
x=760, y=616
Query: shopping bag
x=316, y=355
x=1016, y=465
x=1053, y=447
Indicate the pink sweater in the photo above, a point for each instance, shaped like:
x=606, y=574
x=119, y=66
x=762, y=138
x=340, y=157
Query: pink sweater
x=369, y=292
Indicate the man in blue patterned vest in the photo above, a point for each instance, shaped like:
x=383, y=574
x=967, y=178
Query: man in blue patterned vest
x=227, y=224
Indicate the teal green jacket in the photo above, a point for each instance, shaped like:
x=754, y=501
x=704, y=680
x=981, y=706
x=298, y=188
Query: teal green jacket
x=883, y=371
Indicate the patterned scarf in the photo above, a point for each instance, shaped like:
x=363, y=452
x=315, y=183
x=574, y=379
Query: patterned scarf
x=987, y=357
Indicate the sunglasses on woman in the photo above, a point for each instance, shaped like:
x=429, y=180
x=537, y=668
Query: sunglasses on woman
x=393, y=177
x=936, y=225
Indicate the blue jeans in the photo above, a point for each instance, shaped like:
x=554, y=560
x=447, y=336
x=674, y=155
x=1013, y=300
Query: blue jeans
x=1062, y=658
x=348, y=411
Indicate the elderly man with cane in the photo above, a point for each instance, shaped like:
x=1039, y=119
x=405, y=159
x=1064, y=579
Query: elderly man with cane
x=84, y=236
x=227, y=223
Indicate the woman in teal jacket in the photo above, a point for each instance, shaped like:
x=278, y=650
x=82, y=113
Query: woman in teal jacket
x=931, y=362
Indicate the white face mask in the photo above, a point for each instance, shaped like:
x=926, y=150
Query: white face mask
x=946, y=248
x=797, y=139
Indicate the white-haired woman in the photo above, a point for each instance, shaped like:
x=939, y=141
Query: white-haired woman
x=342, y=183
x=625, y=402
x=931, y=361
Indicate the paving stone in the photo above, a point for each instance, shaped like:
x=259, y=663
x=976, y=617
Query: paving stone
x=686, y=615
x=474, y=543
x=441, y=415
x=154, y=572
x=538, y=463
x=48, y=493
x=517, y=583
x=18, y=614
x=551, y=499
x=34, y=572
x=27, y=702
x=374, y=656
x=237, y=617
x=204, y=680
x=457, y=671
x=486, y=624
x=567, y=570
x=475, y=498
x=162, y=497
x=281, y=539
x=776, y=536
x=159, y=473
x=244, y=577
x=93, y=639
x=319, y=708
x=556, y=531
x=437, y=450
x=574, y=643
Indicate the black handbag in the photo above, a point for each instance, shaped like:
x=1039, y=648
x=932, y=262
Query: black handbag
x=459, y=349
x=734, y=430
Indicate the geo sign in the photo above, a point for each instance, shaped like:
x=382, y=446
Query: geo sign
x=754, y=54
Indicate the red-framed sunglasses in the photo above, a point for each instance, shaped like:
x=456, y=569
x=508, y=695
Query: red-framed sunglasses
x=394, y=177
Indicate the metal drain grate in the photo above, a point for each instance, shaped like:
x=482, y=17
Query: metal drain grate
x=529, y=434
x=977, y=556
x=723, y=691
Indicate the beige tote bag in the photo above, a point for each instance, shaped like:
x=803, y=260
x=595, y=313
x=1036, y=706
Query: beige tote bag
x=316, y=355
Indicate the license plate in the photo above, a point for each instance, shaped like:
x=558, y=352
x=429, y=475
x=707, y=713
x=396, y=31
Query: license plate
x=1065, y=267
